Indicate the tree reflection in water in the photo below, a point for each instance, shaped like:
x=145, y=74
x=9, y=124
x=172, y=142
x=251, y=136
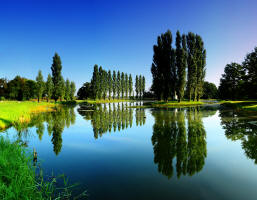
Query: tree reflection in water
x=111, y=117
x=180, y=134
x=56, y=121
x=241, y=125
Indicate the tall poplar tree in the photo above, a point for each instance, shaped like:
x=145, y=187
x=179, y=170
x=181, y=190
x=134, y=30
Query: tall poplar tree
x=118, y=84
x=143, y=86
x=72, y=90
x=122, y=85
x=163, y=68
x=114, y=84
x=201, y=62
x=95, y=82
x=181, y=66
x=110, y=86
x=137, y=86
x=67, y=90
x=62, y=88
x=49, y=87
x=192, y=65
x=56, y=76
x=126, y=85
x=101, y=83
x=130, y=85
x=140, y=86
x=40, y=85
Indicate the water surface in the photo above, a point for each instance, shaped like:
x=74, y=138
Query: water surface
x=118, y=152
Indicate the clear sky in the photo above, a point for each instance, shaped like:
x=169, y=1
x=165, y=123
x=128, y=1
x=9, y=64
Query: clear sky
x=118, y=34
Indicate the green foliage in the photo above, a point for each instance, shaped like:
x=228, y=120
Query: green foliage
x=67, y=90
x=57, y=77
x=231, y=83
x=17, y=176
x=49, y=87
x=137, y=86
x=40, y=85
x=72, y=90
x=239, y=81
x=126, y=85
x=181, y=64
x=62, y=88
x=110, y=83
x=210, y=91
x=130, y=85
x=118, y=84
x=163, y=68
x=122, y=85
x=114, y=84
x=86, y=91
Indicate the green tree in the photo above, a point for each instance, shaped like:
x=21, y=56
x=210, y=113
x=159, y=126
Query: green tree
x=86, y=91
x=192, y=65
x=122, y=84
x=231, y=82
x=126, y=85
x=118, y=84
x=67, y=90
x=163, y=67
x=143, y=85
x=49, y=87
x=101, y=82
x=201, y=62
x=95, y=82
x=72, y=90
x=62, y=88
x=137, y=86
x=114, y=84
x=130, y=85
x=181, y=65
x=210, y=91
x=250, y=79
x=40, y=85
x=56, y=76
x=110, y=86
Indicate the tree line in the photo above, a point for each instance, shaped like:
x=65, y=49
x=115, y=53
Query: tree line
x=55, y=87
x=171, y=66
x=112, y=85
x=239, y=81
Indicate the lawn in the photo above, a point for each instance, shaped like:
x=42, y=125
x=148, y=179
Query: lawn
x=12, y=112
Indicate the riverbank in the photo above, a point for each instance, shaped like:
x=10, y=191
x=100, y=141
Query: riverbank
x=92, y=101
x=15, y=112
x=245, y=105
x=17, y=176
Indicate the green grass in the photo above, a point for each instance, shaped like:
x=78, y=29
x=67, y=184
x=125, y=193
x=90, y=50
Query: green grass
x=17, y=176
x=250, y=105
x=19, y=180
x=175, y=103
x=13, y=112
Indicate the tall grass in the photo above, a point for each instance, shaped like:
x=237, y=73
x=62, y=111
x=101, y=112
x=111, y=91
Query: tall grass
x=19, y=180
x=17, y=176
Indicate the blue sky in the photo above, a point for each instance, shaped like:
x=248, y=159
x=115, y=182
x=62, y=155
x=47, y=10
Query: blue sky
x=118, y=34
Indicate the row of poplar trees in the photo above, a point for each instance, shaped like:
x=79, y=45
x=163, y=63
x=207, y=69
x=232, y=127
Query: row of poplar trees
x=115, y=84
x=171, y=66
x=55, y=86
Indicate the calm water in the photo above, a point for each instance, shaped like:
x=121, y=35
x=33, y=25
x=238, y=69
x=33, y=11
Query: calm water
x=116, y=152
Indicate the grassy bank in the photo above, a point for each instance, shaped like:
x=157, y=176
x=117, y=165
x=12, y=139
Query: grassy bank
x=13, y=112
x=170, y=104
x=17, y=176
x=19, y=180
x=245, y=105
